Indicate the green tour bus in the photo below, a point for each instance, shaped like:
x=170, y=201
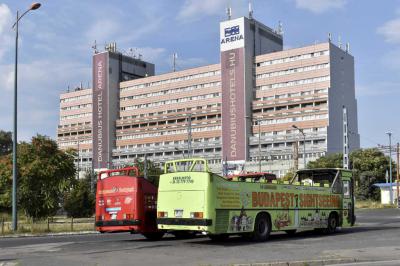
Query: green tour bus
x=191, y=198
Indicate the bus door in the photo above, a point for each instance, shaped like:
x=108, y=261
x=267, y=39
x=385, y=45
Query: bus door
x=348, y=199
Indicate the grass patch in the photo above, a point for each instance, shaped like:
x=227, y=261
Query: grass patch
x=52, y=225
x=371, y=204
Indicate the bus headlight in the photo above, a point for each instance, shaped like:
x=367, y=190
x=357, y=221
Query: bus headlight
x=196, y=215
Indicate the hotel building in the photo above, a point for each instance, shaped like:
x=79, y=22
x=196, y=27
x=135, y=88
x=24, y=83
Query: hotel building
x=259, y=102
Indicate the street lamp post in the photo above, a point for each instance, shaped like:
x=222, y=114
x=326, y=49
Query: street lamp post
x=34, y=6
x=304, y=143
x=258, y=120
x=390, y=167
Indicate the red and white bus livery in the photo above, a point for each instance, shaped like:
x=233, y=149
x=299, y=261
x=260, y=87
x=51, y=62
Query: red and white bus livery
x=126, y=202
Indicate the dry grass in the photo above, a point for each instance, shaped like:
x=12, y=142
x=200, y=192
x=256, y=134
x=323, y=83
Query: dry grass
x=371, y=204
x=51, y=225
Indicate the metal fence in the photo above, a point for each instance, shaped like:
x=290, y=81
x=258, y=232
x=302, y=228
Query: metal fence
x=51, y=224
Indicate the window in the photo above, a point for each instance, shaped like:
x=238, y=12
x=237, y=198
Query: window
x=346, y=189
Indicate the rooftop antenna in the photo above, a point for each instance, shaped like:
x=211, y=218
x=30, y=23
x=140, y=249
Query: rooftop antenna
x=348, y=47
x=174, y=57
x=94, y=47
x=250, y=10
x=329, y=37
x=340, y=41
x=280, y=28
x=229, y=12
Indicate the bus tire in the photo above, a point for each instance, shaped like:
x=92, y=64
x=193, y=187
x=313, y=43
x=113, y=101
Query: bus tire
x=291, y=232
x=262, y=228
x=332, y=223
x=219, y=237
x=154, y=236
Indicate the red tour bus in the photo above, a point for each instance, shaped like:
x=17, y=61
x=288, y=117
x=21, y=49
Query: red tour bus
x=126, y=202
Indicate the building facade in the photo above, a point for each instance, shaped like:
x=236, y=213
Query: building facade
x=261, y=103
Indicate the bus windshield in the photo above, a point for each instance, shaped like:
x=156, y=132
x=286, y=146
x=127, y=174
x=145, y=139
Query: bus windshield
x=311, y=176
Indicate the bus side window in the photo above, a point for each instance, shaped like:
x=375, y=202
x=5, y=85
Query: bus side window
x=346, y=189
x=337, y=187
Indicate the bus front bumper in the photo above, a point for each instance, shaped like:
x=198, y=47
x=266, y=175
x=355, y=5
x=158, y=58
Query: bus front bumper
x=184, y=221
x=117, y=223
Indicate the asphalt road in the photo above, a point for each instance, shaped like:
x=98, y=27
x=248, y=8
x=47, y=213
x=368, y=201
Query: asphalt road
x=376, y=238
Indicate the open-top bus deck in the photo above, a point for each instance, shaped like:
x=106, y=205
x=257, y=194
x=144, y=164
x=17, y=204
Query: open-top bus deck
x=192, y=198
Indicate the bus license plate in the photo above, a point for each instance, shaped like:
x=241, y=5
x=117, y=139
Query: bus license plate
x=178, y=213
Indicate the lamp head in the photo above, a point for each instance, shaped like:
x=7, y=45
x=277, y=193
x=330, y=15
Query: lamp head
x=35, y=6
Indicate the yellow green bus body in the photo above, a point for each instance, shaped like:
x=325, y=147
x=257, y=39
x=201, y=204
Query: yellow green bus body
x=196, y=200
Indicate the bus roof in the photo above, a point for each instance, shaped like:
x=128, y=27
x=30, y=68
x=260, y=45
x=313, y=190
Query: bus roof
x=323, y=169
x=126, y=171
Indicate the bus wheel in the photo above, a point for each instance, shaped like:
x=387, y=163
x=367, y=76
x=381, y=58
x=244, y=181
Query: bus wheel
x=332, y=224
x=219, y=237
x=291, y=232
x=262, y=228
x=153, y=236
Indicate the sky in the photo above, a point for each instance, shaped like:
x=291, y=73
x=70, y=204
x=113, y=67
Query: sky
x=55, y=48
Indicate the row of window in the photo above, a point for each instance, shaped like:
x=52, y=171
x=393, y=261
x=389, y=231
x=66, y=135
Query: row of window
x=72, y=143
x=291, y=95
x=168, y=132
x=166, y=143
x=292, y=70
x=188, y=110
x=74, y=125
x=313, y=131
x=74, y=133
x=172, y=101
x=293, y=119
x=169, y=122
x=292, y=58
x=76, y=107
x=171, y=91
x=170, y=80
x=67, y=117
x=76, y=98
x=293, y=83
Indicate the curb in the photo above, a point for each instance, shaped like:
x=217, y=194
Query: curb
x=301, y=263
x=49, y=234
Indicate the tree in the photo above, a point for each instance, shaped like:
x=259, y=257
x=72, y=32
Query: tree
x=5, y=142
x=80, y=201
x=45, y=173
x=369, y=167
x=153, y=171
x=334, y=160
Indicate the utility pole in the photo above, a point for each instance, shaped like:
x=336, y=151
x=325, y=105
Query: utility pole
x=304, y=144
x=296, y=155
x=345, y=140
x=189, y=129
x=174, y=57
x=398, y=175
x=390, y=167
x=145, y=166
x=259, y=145
x=258, y=121
x=34, y=6
x=78, y=161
